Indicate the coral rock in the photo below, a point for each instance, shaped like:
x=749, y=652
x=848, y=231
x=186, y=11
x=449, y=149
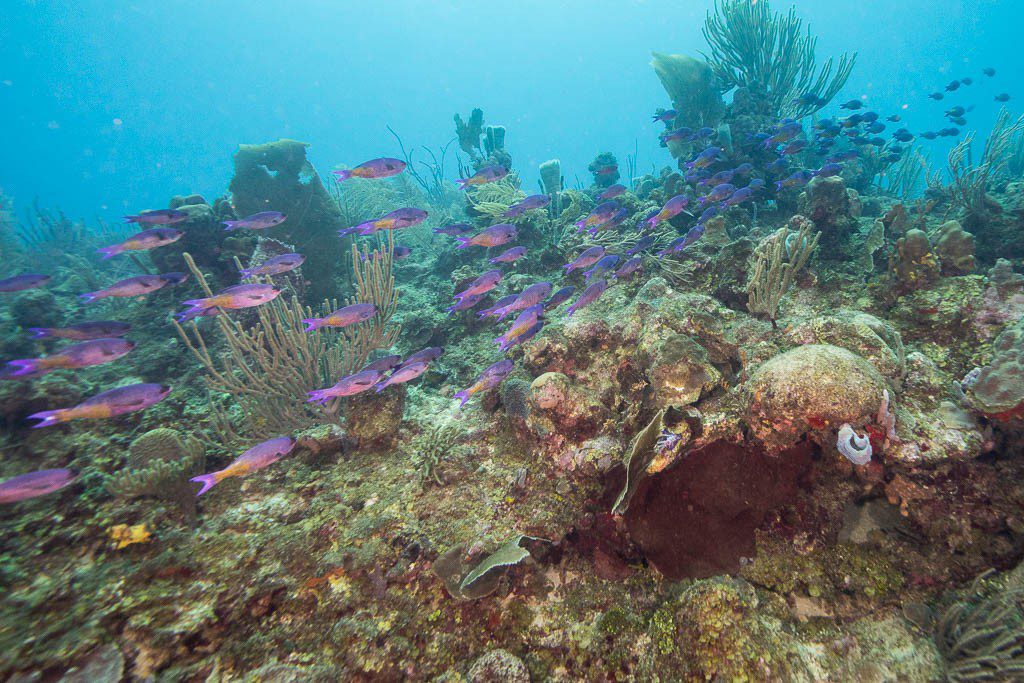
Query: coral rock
x=812, y=389
x=862, y=333
x=955, y=248
x=681, y=372
x=559, y=406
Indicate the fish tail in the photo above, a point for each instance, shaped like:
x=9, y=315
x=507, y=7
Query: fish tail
x=345, y=232
x=245, y=273
x=463, y=242
x=109, y=252
x=230, y=225
x=341, y=175
x=318, y=396
x=207, y=480
x=380, y=387
x=89, y=297
x=28, y=366
x=190, y=314
x=132, y=219
x=462, y=396
x=47, y=418
x=312, y=324
x=40, y=332
x=463, y=183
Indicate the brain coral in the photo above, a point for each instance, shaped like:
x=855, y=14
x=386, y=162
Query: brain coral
x=999, y=390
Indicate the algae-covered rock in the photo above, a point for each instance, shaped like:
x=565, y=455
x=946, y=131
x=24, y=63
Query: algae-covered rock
x=810, y=389
x=498, y=666
x=681, y=372
x=372, y=418
x=862, y=333
x=914, y=265
x=559, y=406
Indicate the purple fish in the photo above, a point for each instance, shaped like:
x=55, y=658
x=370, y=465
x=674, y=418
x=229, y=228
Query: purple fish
x=455, y=229
x=739, y=196
x=602, y=267
x=756, y=184
x=403, y=375
x=275, y=265
x=743, y=169
x=83, y=355
x=427, y=355
x=34, y=484
x=346, y=386
x=696, y=176
x=718, y=193
x=398, y=252
x=257, y=221
x=465, y=303
x=705, y=158
x=795, y=147
x=139, y=285
x=158, y=217
x=111, y=403
x=601, y=214
x=613, y=222
x=494, y=236
x=256, y=458
x=488, y=379
x=673, y=207
x=147, y=239
x=785, y=133
x=482, y=284
x=717, y=179
x=797, y=179
x=238, y=296
x=384, y=364
x=343, y=317
x=23, y=282
x=498, y=305
x=828, y=170
x=374, y=168
x=487, y=174
x=531, y=296
x=588, y=258
x=558, y=298
x=666, y=116
x=522, y=325
x=99, y=329
x=679, y=134
x=709, y=213
x=395, y=220
x=509, y=255
x=644, y=243
x=627, y=269
x=534, y=201
x=612, y=192
x=589, y=296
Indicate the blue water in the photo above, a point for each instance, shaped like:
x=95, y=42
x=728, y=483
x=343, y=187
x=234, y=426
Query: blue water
x=107, y=107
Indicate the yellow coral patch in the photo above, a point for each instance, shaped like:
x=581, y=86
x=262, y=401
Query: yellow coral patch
x=124, y=535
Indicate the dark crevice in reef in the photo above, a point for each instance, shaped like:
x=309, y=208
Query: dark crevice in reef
x=698, y=518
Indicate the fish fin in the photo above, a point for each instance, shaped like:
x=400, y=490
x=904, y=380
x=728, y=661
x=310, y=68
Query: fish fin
x=40, y=332
x=463, y=183
x=28, y=366
x=207, y=480
x=245, y=273
x=463, y=242
x=341, y=175
x=47, y=418
x=462, y=396
x=111, y=251
x=312, y=324
x=345, y=232
x=88, y=297
x=231, y=225
x=318, y=396
x=132, y=219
